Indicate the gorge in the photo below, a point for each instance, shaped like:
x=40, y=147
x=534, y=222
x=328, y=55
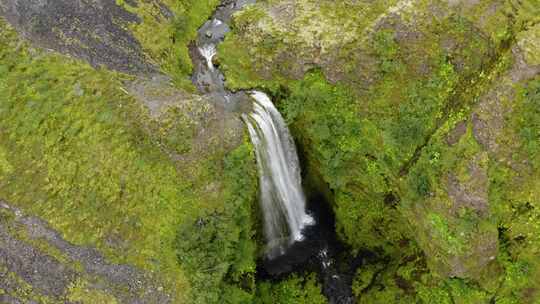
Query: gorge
x=281, y=195
x=270, y=151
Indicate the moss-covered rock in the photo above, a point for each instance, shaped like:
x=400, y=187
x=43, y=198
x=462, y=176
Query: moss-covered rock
x=405, y=115
x=449, y=209
x=381, y=93
x=49, y=269
x=419, y=118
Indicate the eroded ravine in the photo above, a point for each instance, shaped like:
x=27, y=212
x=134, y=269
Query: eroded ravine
x=282, y=198
x=311, y=243
x=208, y=78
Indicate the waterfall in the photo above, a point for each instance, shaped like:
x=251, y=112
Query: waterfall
x=282, y=199
x=208, y=52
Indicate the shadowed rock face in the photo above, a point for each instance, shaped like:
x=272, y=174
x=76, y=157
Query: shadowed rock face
x=91, y=30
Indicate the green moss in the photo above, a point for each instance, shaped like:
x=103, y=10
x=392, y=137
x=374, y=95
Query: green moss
x=430, y=295
x=280, y=45
x=372, y=116
x=176, y=129
x=425, y=70
x=80, y=292
x=413, y=90
x=526, y=13
x=515, y=196
x=492, y=17
x=5, y=166
x=384, y=288
x=527, y=121
x=82, y=158
x=168, y=46
x=293, y=290
x=365, y=277
x=443, y=233
x=529, y=42
x=336, y=139
x=408, y=280
x=216, y=245
x=462, y=293
x=239, y=64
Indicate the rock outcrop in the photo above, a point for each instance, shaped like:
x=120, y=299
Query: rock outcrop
x=95, y=31
x=415, y=128
x=419, y=118
x=36, y=261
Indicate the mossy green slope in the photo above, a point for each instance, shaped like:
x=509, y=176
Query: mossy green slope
x=292, y=290
x=408, y=67
x=178, y=22
x=375, y=114
x=79, y=152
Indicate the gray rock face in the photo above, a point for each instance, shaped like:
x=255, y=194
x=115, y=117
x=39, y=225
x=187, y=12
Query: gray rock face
x=455, y=135
x=10, y=300
x=50, y=277
x=474, y=193
x=43, y=272
x=91, y=30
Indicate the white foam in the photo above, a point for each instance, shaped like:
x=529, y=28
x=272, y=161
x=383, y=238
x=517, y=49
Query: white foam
x=282, y=198
x=208, y=51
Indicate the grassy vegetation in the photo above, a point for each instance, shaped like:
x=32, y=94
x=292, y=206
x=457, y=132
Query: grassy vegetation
x=376, y=125
x=515, y=194
x=292, y=290
x=372, y=99
x=75, y=151
x=168, y=46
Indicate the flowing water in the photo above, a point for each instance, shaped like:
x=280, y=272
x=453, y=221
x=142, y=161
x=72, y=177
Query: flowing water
x=208, y=52
x=282, y=198
x=292, y=237
x=206, y=76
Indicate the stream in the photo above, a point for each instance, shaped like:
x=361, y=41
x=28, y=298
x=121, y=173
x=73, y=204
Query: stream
x=300, y=232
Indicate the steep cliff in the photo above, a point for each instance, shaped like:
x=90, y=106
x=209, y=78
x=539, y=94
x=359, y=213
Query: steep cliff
x=418, y=121
x=418, y=115
x=117, y=183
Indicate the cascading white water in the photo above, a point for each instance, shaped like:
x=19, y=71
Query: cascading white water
x=208, y=52
x=282, y=199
